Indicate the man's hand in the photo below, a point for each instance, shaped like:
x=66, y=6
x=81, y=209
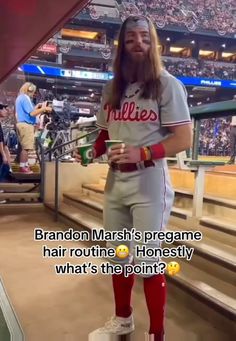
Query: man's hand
x=38, y=106
x=48, y=109
x=78, y=158
x=122, y=153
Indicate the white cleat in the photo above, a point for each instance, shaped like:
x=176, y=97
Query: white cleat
x=115, y=326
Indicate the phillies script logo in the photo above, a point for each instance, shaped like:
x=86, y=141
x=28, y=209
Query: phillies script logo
x=131, y=113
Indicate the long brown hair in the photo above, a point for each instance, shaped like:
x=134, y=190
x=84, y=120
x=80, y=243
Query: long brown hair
x=151, y=83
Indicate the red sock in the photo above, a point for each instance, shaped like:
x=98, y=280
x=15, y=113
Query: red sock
x=122, y=287
x=155, y=293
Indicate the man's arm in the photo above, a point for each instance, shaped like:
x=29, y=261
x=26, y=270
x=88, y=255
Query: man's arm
x=179, y=140
x=39, y=111
x=99, y=147
x=33, y=111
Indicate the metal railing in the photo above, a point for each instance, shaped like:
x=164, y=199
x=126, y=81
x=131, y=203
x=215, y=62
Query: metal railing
x=57, y=159
x=42, y=169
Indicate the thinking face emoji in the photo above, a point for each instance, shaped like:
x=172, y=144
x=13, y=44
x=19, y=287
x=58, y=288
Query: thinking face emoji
x=173, y=268
x=122, y=251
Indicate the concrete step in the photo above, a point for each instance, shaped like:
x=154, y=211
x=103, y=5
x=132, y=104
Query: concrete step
x=189, y=193
x=79, y=218
x=20, y=208
x=17, y=187
x=201, y=309
x=94, y=190
x=211, y=205
x=217, y=223
x=213, y=227
x=213, y=233
x=210, y=254
x=97, y=191
x=10, y=197
x=223, y=201
x=219, y=208
x=92, y=202
x=205, y=288
x=94, y=206
x=89, y=204
x=197, y=284
x=180, y=215
x=99, y=187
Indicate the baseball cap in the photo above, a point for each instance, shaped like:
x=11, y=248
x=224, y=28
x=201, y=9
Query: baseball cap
x=2, y=106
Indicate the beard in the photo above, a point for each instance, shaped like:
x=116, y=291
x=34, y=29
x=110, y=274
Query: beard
x=135, y=68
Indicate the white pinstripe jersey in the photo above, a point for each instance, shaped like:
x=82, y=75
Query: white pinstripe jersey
x=142, y=122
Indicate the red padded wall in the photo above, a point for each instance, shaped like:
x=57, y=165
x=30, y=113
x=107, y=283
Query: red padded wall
x=26, y=24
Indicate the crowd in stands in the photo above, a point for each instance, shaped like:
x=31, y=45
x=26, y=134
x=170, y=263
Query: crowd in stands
x=213, y=15
x=183, y=66
x=200, y=68
x=176, y=66
x=215, y=137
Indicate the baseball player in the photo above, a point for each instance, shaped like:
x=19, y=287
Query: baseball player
x=146, y=108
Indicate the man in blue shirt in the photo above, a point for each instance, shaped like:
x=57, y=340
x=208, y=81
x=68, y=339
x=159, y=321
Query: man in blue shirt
x=26, y=114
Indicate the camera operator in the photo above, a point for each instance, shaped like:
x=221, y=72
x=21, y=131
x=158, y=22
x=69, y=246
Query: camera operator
x=26, y=114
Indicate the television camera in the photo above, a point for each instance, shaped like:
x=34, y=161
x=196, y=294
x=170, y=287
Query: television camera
x=59, y=118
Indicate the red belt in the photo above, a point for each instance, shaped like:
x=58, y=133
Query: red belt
x=131, y=167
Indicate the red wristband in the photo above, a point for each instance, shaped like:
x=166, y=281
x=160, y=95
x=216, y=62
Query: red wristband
x=157, y=151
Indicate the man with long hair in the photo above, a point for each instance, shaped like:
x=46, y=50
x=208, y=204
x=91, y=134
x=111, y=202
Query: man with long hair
x=145, y=108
